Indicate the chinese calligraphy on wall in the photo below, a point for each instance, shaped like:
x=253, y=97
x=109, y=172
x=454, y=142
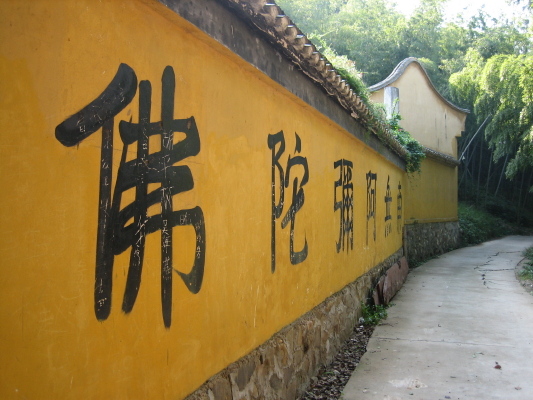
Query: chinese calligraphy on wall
x=388, y=216
x=126, y=226
x=281, y=179
x=114, y=234
x=345, y=204
x=399, y=201
x=371, y=181
x=371, y=195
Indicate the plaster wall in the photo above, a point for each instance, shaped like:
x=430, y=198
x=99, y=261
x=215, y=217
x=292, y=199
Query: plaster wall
x=56, y=342
x=429, y=119
x=432, y=194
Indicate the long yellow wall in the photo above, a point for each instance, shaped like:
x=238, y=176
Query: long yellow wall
x=432, y=194
x=58, y=339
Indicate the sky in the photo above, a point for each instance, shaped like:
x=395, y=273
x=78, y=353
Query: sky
x=467, y=7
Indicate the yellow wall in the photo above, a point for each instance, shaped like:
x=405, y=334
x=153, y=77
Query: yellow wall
x=57, y=57
x=432, y=194
x=378, y=96
x=425, y=115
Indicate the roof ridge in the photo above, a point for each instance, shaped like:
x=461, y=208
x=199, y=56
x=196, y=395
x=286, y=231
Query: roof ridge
x=443, y=158
x=282, y=33
x=400, y=69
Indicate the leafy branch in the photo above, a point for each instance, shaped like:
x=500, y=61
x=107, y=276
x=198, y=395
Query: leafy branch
x=415, y=150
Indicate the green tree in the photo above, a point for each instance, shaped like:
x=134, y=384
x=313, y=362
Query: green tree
x=312, y=16
x=423, y=30
x=501, y=87
x=369, y=33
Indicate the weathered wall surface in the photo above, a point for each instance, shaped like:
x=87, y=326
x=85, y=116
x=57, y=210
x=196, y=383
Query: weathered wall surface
x=424, y=241
x=431, y=221
x=167, y=206
x=432, y=193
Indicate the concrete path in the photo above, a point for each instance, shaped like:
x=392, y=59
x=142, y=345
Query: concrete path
x=456, y=318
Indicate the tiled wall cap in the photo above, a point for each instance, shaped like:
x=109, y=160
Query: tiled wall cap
x=281, y=32
x=282, y=21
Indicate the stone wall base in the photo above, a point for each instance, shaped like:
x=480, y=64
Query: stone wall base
x=423, y=241
x=282, y=367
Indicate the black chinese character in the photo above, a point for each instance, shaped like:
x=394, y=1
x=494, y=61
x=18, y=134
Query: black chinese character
x=371, y=180
x=399, y=208
x=115, y=235
x=345, y=205
x=297, y=194
x=388, y=216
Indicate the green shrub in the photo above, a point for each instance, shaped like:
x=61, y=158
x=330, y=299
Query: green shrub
x=373, y=314
x=527, y=271
x=478, y=226
x=508, y=211
x=414, y=149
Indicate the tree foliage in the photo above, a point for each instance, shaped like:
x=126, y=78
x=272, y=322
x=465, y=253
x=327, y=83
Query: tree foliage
x=368, y=32
x=501, y=87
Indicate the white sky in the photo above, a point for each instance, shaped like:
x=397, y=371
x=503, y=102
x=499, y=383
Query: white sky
x=467, y=7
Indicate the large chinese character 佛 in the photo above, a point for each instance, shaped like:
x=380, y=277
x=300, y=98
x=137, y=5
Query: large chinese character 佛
x=115, y=235
x=278, y=140
x=345, y=204
x=371, y=179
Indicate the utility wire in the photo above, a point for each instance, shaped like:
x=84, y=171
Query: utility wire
x=475, y=134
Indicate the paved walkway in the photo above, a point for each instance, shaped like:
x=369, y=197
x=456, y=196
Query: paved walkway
x=457, y=318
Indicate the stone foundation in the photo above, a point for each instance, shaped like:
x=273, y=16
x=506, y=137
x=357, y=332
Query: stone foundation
x=423, y=241
x=282, y=367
